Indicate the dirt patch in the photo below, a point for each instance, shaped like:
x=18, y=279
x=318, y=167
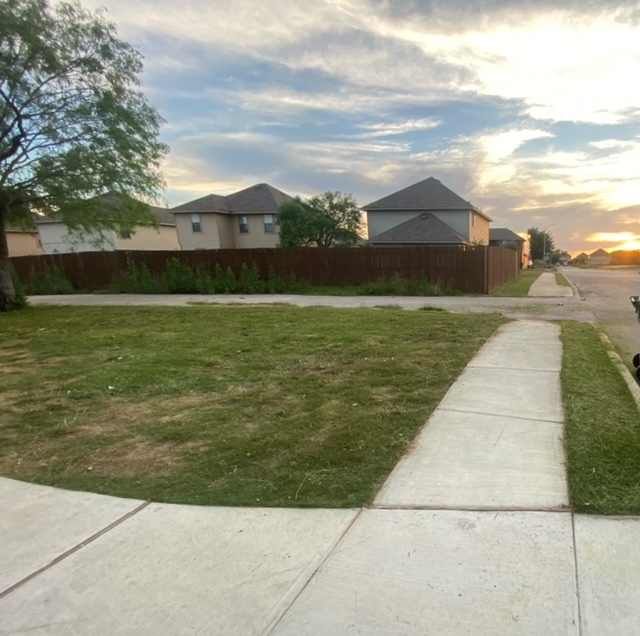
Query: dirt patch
x=134, y=457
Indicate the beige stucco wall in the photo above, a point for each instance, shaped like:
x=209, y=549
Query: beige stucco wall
x=208, y=239
x=164, y=237
x=57, y=239
x=225, y=231
x=24, y=243
x=257, y=237
x=479, y=233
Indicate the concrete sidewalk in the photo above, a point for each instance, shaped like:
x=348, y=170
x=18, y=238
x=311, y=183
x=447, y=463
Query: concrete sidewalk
x=546, y=286
x=470, y=534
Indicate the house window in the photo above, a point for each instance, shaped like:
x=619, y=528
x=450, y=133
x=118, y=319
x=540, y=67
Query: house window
x=125, y=234
x=269, y=224
x=243, y=224
x=196, y=223
x=473, y=220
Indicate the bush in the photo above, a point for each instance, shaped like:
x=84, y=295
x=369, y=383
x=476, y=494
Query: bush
x=139, y=280
x=398, y=286
x=51, y=280
x=250, y=281
x=180, y=278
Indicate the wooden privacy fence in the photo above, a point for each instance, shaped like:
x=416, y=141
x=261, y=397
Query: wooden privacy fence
x=469, y=269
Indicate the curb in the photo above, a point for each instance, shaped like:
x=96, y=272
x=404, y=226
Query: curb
x=634, y=388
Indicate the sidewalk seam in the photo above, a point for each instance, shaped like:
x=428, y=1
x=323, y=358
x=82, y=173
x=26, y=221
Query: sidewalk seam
x=75, y=549
x=575, y=560
x=510, y=417
x=472, y=508
x=272, y=623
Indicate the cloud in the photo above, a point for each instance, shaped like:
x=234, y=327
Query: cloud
x=611, y=237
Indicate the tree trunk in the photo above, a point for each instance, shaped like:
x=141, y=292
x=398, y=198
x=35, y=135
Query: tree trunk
x=7, y=290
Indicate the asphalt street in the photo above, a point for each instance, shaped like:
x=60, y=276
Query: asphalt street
x=606, y=295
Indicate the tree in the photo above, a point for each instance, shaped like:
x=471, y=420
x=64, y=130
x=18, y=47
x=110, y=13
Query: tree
x=326, y=220
x=539, y=241
x=74, y=124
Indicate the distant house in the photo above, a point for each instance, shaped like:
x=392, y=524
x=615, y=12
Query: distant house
x=599, y=257
x=244, y=219
x=581, y=259
x=23, y=242
x=418, y=213
x=503, y=237
x=57, y=238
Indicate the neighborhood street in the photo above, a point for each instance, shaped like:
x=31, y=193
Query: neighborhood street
x=606, y=293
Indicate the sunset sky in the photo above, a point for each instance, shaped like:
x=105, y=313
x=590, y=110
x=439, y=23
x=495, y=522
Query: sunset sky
x=530, y=110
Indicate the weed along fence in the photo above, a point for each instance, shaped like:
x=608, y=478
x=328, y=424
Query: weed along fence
x=469, y=269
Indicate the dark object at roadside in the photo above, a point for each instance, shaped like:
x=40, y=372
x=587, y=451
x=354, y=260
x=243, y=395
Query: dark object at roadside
x=635, y=301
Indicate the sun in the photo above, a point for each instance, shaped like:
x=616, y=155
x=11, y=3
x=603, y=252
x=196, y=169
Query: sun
x=628, y=246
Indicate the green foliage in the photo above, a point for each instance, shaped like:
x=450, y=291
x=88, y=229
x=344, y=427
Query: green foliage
x=250, y=281
x=325, y=220
x=180, y=278
x=138, y=280
x=275, y=284
x=50, y=280
x=540, y=241
x=398, y=286
x=74, y=122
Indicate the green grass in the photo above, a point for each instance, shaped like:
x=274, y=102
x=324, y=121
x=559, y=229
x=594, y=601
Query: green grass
x=273, y=406
x=562, y=280
x=520, y=286
x=602, y=427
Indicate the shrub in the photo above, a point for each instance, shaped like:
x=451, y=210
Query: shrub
x=51, y=280
x=250, y=281
x=139, y=280
x=180, y=278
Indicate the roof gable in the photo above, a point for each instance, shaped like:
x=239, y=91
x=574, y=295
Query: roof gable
x=599, y=252
x=258, y=198
x=429, y=194
x=261, y=198
x=424, y=228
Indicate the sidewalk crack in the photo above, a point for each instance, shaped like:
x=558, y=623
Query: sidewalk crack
x=74, y=549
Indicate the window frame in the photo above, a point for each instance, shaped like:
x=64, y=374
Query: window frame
x=272, y=224
x=242, y=225
x=196, y=221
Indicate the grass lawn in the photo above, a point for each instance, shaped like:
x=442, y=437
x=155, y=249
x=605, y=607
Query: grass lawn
x=562, y=280
x=274, y=406
x=602, y=427
x=520, y=286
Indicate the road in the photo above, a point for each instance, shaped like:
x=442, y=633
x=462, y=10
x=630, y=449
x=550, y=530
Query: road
x=606, y=293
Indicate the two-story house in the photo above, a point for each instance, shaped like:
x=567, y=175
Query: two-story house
x=426, y=213
x=58, y=238
x=244, y=219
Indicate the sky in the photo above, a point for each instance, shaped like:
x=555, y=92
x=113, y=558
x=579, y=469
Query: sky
x=528, y=109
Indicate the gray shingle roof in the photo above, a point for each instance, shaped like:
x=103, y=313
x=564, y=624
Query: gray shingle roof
x=208, y=203
x=424, y=228
x=164, y=217
x=428, y=194
x=504, y=234
x=258, y=198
